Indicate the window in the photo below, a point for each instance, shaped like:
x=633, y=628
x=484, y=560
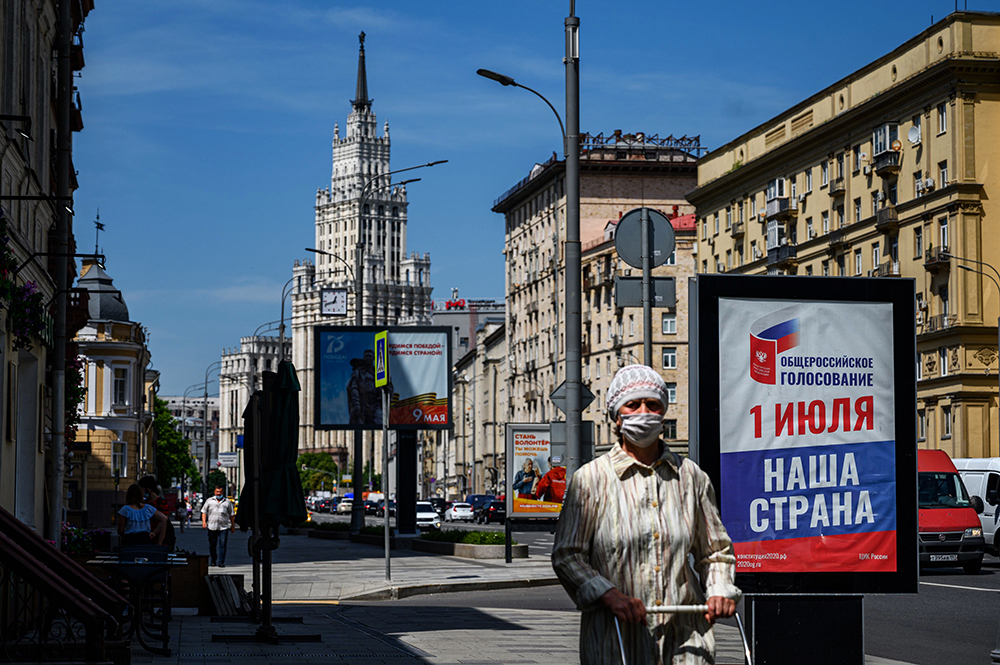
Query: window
x=840, y=165
x=795, y=186
x=918, y=182
x=729, y=259
x=716, y=223
x=921, y=423
x=729, y=217
x=943, y=172
x=809, y=180
x=670, y=429
x=119, y=387
x=943, y=224
x=631, y=318
x=669, y=324
x=894, y=249
x=742, y=210
x=826, y=222
x=876, y=255
x=917, y=124
x=892, y=194
x=918, y=242
x=119, y=459
x=840, y=217
x=946, y=422
x=857, y=262
x=826, y=268
x=945, y=303
x=841, y=271
x=671, y=393
x=857, y=209
x=597, y=368
x=943, y=360
x=809, y=271
x=942, y=113
x=775, y=189
x=739, y=255
x=824, y=174
x=856, y=158
x=669, y=357
x=704, y=266
x=704, y=227
x=883, y=137
x=809, y=228
x=671, y=260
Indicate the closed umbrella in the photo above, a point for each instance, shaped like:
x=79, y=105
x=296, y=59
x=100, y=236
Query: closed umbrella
x=285, y=502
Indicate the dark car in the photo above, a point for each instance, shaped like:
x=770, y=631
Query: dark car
x=477, y=501
x=492, y=511
x=324, y=506
x=440, y=505
x=380, y=511
x=371, y=508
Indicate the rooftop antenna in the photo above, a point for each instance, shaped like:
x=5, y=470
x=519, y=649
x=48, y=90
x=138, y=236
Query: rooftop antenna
x=97, y=232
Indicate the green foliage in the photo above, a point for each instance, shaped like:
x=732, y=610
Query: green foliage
x=373, y=530
x=173, y=452
x=331, y=526
x=376, y=478
x=321, y=478
x=75, y=394
x=218, y=479
x=25, y=306
x=467, y=537
x=737, y=164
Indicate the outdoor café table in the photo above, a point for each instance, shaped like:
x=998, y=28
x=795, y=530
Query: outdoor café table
x=141, y=574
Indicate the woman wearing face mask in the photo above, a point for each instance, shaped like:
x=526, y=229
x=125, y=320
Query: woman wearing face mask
x=629, y=521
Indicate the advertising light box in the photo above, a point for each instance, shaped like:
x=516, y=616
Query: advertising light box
x=419, y=378
x=536, y=476
x=806, y=405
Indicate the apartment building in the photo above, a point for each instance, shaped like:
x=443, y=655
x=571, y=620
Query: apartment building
x=886, y=173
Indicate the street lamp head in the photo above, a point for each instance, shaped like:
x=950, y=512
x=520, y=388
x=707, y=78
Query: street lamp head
x=499, y=78
x=406, y=182
x=440, y=161
x=316, y=251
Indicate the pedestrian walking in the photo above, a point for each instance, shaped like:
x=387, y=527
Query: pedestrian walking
x=138, y=522
x=154, y=496
x=218, y=516
x=629, y=522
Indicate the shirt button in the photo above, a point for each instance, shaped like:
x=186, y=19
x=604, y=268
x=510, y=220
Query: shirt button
x=654, y=504
x=656, y=534
x=659, y=602
x=656, y=568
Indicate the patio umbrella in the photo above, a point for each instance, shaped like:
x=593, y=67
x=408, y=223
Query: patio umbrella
x=285, y=502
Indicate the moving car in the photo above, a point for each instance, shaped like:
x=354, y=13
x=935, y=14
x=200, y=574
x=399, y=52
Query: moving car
x=380, y=511
x=427, y=517
x=981, y=476
x=950, y=533
x=440, y=505
x=371, y=507
x=459, y=511
x=345, y=507
x=494, y=511
x=323, y=506
x=477, y=500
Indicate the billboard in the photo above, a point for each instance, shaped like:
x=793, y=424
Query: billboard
x=419, y=378
x=536, y=479
x=810, y=439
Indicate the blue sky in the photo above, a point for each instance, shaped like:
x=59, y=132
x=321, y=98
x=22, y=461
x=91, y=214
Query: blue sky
x=208, y=125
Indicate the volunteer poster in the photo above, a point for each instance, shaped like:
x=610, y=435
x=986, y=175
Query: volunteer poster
x=536, y=479
x=419, y=378
x=807, y=434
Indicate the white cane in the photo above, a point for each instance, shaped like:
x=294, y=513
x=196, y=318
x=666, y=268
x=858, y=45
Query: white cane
x=684, y=609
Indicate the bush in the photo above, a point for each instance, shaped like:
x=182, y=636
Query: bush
x=467, y=537
x=373, y=530
x=307, y=524
x=331, y=526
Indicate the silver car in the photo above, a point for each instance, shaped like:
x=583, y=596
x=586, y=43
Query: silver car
x=459, y=511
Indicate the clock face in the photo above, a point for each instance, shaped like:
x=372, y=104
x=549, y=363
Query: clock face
x=333, y=302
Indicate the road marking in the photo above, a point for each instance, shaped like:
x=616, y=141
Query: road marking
x=305, y=601
x=957, y=586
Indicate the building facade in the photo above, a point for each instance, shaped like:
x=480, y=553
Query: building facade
x=29, y=99
x=886, y=173
x=115, y=443
x=360, y=204
x=618, y=173
x=464, y=316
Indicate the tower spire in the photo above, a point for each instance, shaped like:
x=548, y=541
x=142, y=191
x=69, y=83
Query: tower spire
x=361, y=101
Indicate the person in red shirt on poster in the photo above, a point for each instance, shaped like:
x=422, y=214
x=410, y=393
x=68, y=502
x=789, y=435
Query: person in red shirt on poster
x=552, y=486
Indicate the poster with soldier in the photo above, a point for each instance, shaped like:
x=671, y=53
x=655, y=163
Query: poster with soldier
x=346, y=397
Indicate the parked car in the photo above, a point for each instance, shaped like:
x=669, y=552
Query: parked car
x=981, y=476
x=459, y=511
x=380, y=511
x=427, y=517
x=950, y=533
x=371, y=507
x=345, y=506
x=493, y=511
x=440, y=505
x=477, y=500
x=324, y=506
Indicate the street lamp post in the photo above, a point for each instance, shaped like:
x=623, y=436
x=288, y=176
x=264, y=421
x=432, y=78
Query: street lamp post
x=571, y=150
x=204, y=421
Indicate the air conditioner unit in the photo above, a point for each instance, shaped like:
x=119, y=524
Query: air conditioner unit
x=802, y=198
x=920, y=318
x=867, y=170
x=929, y=183
x=812, y=233
x=919, y=186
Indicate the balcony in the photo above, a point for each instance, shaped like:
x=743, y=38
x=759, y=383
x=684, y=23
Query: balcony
x=887, y=269
x=887, y=219
x=838, y=186
x=585, y=317
x=838, y=239
x=782, y=208
x=782, y=256
x=887, y=163
x=937, y=258
x=532, y=307
x=738, y=229
x=939, y=322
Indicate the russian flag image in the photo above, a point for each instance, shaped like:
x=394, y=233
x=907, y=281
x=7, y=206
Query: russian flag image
x=769, y=336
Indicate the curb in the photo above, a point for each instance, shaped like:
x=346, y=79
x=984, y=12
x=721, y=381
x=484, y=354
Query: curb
x=397, y=592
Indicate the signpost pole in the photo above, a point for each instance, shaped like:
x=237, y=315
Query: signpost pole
x=385, y=476
x=647, y=304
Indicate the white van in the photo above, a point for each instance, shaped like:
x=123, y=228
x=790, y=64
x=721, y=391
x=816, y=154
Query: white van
x=981, y=476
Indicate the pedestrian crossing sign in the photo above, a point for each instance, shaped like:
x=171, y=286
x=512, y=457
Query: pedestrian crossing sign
x=381, y=359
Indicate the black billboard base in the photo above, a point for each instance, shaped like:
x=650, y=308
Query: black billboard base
x=783, y=629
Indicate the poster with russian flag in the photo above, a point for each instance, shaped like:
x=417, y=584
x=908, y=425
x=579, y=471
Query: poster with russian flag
x=807, y=435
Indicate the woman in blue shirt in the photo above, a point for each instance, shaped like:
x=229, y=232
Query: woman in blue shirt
x=139, y=523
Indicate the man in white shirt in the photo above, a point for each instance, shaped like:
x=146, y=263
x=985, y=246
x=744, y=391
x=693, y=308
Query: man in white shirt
x=218, y=517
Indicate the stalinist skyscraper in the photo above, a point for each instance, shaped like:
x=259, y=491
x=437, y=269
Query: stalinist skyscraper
x=397, y=286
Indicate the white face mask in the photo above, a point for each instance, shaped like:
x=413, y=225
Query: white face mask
x=642, y=429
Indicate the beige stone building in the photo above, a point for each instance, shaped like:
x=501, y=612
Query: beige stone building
x=617, y=173
x=886, y=173
x=115, y=445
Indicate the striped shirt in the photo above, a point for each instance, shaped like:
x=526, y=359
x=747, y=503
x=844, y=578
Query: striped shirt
x=629, y=526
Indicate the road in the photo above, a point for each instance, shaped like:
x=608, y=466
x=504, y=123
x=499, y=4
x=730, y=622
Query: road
x=953, y=618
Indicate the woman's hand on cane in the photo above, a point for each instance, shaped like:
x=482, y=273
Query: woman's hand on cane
x=626, y=608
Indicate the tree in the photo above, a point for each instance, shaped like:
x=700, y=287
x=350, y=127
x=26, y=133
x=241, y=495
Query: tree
x=217, y=478
x=320, y=471
x=173, y=452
